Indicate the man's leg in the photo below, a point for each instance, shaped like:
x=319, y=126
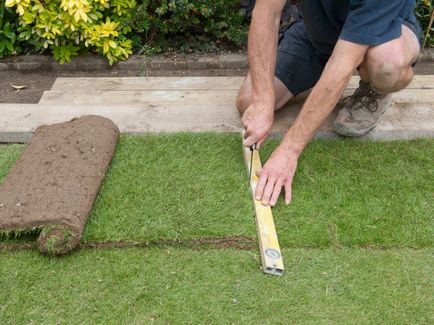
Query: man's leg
x=297, y=68
x=387, y=68
x=244, y=98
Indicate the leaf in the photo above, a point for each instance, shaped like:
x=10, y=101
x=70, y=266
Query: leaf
x=9, y=46
x=20, y=10
x=9, y=3
x=105, y=47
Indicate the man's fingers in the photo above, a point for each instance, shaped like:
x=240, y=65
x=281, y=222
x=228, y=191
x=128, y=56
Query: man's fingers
x=288, y=192
x=260, y=186
x=260, y=142
x=251, y=139
x=247, y=142
x=276, y=193
x=268, y=191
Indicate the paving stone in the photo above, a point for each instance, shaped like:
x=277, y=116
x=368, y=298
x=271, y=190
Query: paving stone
x=167, y=64
x=203, y=63
x=233, y=61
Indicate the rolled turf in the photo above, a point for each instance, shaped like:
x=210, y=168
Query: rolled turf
x=53, y=185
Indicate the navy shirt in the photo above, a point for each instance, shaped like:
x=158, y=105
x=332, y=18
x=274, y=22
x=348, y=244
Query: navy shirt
x=369, y=22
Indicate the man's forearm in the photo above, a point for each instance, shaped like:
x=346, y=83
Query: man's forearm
x=262, y=49
x=324, y=95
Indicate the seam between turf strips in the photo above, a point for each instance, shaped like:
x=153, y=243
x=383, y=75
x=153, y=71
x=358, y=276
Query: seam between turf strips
x=235, y=242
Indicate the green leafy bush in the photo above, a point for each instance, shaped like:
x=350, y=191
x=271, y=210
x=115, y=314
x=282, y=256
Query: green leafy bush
x=425, y=14
x=69, y=27
x=66, y=28
x=159, y=22
x=8, y=27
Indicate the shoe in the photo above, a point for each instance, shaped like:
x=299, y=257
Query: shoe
x=361, y=111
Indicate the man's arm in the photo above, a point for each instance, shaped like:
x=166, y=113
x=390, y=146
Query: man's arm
x=280, y=168
x=262, y=46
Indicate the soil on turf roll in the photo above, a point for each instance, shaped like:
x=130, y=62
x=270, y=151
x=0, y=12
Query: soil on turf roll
x=53, y=185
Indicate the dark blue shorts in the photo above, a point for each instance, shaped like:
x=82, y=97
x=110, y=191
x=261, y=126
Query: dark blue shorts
x=300, y=63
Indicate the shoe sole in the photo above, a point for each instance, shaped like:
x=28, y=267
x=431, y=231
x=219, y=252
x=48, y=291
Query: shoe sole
x=359, y=133
x=354, y=133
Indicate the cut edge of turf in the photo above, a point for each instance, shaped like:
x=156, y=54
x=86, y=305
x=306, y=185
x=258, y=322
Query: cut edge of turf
x=207, y=243
x=52, y=239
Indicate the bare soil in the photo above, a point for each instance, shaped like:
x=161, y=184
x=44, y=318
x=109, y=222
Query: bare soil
x=54, y=183
x=232, y=242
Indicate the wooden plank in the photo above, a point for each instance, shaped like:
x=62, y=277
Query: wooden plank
x=147, y=83
x=112, y=97
x=187, y=97
x=22, y=119
x=418, y=82
x=409, y=95
x=271, y=256
x=17, y=121
x=184, y=83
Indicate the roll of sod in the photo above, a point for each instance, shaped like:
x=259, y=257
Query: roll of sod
x=52, y=187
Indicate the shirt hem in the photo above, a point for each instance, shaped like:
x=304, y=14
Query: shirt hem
x=367, y=40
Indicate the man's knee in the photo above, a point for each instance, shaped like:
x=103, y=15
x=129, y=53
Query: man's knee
x=388, y=69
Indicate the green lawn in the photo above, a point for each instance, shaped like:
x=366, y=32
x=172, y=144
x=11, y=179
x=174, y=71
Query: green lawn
x=349, y=193
x=178, y=286
x=358, y=240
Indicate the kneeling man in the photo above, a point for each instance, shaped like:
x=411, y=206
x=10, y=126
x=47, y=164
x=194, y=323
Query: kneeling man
x=320, y=51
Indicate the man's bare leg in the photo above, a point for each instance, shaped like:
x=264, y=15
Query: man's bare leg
x=386, y=68
x=244, y=98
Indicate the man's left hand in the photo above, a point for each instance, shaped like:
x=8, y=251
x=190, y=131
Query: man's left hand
x=277, y=173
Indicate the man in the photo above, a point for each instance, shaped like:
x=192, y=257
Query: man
x=380, y=38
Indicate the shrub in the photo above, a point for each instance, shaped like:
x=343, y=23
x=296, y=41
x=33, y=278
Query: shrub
x=66, y=28
x=425, y=14
x=69, y=27
x=8, y=26
x=158, y=22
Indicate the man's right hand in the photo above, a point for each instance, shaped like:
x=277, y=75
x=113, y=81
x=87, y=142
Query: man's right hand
x=257, y=121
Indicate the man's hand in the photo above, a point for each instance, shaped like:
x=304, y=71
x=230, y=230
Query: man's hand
x=257, y=121
x=277, y=173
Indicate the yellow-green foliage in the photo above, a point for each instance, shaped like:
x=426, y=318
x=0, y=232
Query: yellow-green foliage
x=68, y=27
